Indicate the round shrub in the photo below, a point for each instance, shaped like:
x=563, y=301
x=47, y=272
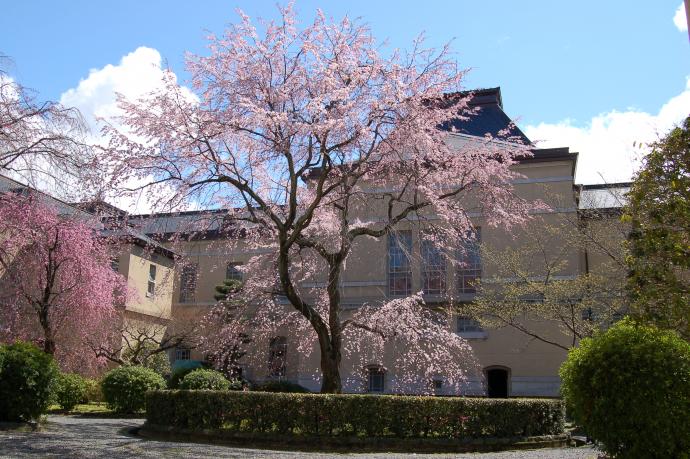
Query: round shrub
x=27, y=375
x=178, y=375
x=205, y=380
x=124, y=388
x=282, y=386
x=93, y=391
x=70, y=390
x=629, y=388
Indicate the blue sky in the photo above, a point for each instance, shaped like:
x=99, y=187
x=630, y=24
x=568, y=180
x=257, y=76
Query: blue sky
x=573, y=73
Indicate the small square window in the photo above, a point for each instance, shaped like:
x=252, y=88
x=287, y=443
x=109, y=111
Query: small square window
x=232, y=271
x=182, y=353
x=468, y=325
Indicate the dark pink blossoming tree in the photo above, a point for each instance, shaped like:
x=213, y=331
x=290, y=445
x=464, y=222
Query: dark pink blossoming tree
x=57, y=286
x=314, y=141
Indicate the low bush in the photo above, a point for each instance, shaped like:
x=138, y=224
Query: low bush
x=354, y=415
x=70, y=390
x=93, y=391
x=124, y=388
x=202, y=379
x=629, y=388
x=178, y=375
x=282, y=386
x=27, y=376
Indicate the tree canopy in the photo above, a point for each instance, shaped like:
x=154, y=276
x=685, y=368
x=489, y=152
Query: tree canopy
x=659, y=210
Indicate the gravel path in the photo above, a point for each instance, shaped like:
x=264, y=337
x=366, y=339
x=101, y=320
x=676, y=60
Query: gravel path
x=69, y=436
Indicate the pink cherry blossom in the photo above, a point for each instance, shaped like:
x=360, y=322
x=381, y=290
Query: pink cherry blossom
x=313, y=139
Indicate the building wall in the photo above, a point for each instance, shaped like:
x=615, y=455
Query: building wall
x=532, y=365
x=144, y=312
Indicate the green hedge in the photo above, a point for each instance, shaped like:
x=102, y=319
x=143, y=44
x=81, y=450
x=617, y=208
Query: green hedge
x=354, y=415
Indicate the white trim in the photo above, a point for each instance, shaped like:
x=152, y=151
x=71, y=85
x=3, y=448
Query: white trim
x=345, y=284
x=535, y=386
x=473, y=335
x=564, y=178
x=504, y=280
x=550, y=179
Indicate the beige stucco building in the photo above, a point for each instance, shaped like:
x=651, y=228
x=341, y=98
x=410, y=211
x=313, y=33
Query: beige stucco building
x=512, y=363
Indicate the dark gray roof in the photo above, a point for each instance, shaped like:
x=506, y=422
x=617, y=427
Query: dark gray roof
x=62, y=208
x=161, y=224
x=122, y=232
x=489, y=117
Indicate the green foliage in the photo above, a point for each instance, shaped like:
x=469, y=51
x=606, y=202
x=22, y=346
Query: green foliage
x=659, y=210
x=70, y=390
x=354, y=415
x=227, y=347
x=27, y=375
x=540, y=297
x=145, y=355
x=202, y=379
x=93, y=391
x=178, y=375
x=158, y=362
x=225, y=291
x=629, y=388
x=282, y=386
x=124, y=388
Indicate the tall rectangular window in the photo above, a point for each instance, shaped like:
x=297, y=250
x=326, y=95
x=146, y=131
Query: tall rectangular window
x=399, y=267
x=115, y=264
x=376, y=379
x=188, y=279
x=470, y=267
x=232, y=271
x=277, y=357
x=151, y=287
x=433, y=269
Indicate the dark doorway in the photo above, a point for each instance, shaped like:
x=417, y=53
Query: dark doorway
x=497, y=382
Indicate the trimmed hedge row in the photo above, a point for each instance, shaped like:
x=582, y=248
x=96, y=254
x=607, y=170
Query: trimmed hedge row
x=354, y=415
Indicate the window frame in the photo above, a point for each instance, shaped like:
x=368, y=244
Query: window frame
x=376, y=372
x=188, y=286
x=231, y=271
x=399, y=263
x=183, y=351
x=277, y=352
x=434, y=267
x=151, y=283
x=469, y=269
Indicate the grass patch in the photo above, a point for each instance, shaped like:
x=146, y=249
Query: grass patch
x=95, y=409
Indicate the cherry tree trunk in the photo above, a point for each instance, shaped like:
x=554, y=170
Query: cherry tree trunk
x=330, y=368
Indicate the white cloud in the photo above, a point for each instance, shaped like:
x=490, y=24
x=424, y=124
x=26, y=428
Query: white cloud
x=609, y=144
x=679, y=19
x=137, y=74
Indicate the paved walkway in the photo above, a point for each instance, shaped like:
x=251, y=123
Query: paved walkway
x=70, y=436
